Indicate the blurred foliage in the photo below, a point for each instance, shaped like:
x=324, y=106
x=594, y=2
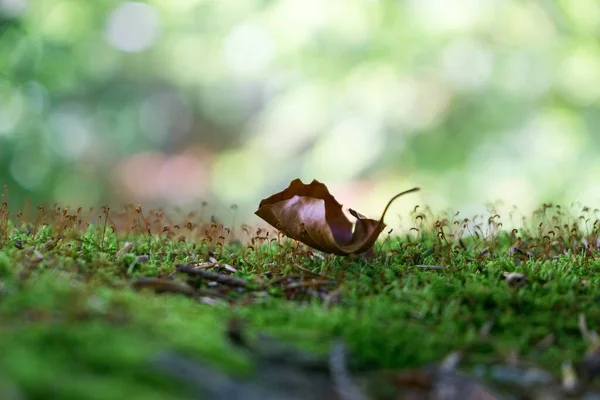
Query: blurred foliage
x=227, y=101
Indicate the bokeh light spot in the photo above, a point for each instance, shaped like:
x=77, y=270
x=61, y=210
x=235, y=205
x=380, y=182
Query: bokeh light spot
x=467, y=64
x=236, y=173
x=64, y=21
x=450, y=16
x=420, y=104
x=248, y=49
x=11, y=109
x=13, y=8
x=132, y=27
x=73, y=133
x=579, y=75
x=180, y=179
x=29, y=171
x=349, y=148
x=295, y=120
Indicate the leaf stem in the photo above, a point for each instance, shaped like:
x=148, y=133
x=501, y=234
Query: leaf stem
x=416, y=189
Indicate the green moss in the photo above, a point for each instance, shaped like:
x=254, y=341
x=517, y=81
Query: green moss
x=6, y=269
x=71, y=326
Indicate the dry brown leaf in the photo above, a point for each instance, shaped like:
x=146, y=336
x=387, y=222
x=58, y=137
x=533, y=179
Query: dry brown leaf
x=311, y=215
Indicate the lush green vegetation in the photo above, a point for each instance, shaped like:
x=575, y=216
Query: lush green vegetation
x=114, y=308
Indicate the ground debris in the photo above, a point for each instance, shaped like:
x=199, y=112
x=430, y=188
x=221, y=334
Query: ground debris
x=208, y=383
x=340, y=375
x=281, y=372
x=127, y=247
x=159, y=285
x=301, y=287
x=439, y=382
x=212, y=276
x=295, y=286
x=267, y=350
x=515, y=279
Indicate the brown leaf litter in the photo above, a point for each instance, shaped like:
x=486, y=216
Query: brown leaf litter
x=311, y=215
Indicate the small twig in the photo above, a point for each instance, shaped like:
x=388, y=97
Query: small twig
x=160, y=285
x=346, y=389
x=213, y=263
x=569, y=377
x=430, y=267
x=589, y=335
x=228, y=268
x=205, y=265
x=486, y=328
x=212, y=276
x=451, y=361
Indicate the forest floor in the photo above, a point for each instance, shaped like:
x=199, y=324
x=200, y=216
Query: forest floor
x=137, y=305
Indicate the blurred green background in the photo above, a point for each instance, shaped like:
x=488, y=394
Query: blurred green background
x=182, y=101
